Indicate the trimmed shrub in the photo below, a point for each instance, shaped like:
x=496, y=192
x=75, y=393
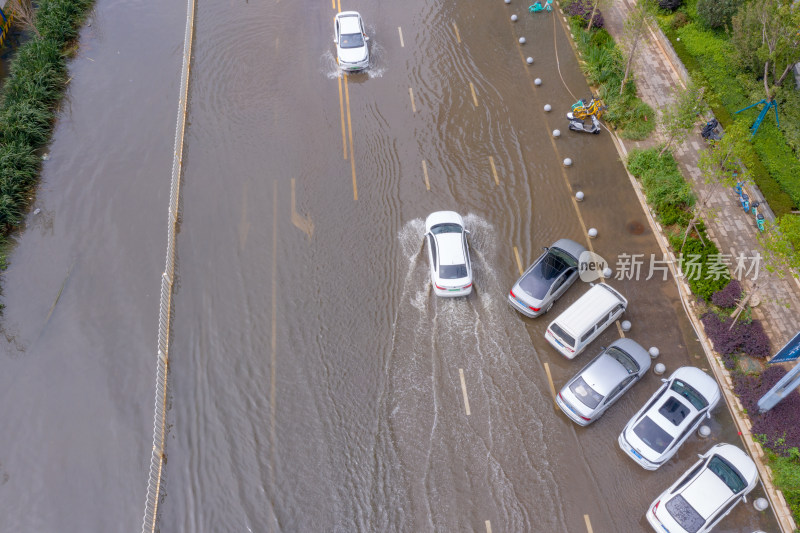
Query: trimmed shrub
x=680, y=19
x=728, y=296
x=781, y=424
x=743, y=337
x=582, y=9
x=701, y=264
x=670, y=5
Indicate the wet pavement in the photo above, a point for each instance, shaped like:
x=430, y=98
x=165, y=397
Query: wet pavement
x=316, y=382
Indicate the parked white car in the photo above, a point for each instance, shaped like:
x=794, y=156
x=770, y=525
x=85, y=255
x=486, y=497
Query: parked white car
x=706, y=493
x=448, y=252
x=673, y=413
x=350, y=37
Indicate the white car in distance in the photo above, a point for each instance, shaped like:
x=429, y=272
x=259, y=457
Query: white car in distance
x=352, y=52
x=448, y=253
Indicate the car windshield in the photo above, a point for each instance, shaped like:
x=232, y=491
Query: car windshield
x=674, y=411
x=351, y=40
x=727, y=473
x=688, y=392
x=539, y=279
x=563, y=335
x=652, y=435
x=624, y=359
x=684, y=514
x=446, y=228
x=453, y=271
x=587, y=395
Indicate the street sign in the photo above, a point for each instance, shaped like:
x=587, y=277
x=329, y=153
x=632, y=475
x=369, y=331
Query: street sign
x=790, y=352
x=781, y=390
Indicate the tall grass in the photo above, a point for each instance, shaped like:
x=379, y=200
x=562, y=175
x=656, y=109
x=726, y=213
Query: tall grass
x=34, y=87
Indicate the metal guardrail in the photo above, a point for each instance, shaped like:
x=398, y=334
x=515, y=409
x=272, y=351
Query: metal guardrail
x=167, y=278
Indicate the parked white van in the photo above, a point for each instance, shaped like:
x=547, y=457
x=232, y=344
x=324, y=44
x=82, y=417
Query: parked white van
x=585, y=319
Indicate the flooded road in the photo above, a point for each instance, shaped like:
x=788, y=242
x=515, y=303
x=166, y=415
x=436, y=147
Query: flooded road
x=316, y=384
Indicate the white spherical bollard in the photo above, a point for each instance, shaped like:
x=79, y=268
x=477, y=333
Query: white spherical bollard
x=567, y=162
x=704, y=431
x=513, y=18
x=530, y=60
x=761, y=504
x=592, y=232
x=659, y=369
x=537, y=81
x=547, y=107
x=522, y=40
x=508, y=1
x=626, y=325
x=654, y=352
x=556, y=133
x=579, y=196
x=607, y=272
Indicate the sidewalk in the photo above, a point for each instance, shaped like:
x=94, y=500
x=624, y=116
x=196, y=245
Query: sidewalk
x=658, y=71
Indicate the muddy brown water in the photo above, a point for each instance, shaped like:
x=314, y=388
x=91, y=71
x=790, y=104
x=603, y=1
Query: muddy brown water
x=315, y=381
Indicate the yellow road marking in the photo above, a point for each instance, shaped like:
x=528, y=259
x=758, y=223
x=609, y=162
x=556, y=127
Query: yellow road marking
x=333, y=4
x=458, y=35
x=425, y=171
x=550, y=382
x=588, y=523
x=519, y=263
x=494, y=171
x=400, y=31
x=619, y=328
x=413, y=105
x=488, y=527
x=350, y=137
x=339, y=3
x=304, y=223
x=464, y=390
x=341, y=113
x=474, y=98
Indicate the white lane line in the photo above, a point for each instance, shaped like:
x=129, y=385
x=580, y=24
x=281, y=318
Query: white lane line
x=588, y=523
x=519, y=263
x=400, y=31
x=464, y=390
x=494, y=171
x=488, y=527
x=303, y=223
x=474, y=97
x=425, y=171
x=550, y=381
x=413, y=104
x=458, y=35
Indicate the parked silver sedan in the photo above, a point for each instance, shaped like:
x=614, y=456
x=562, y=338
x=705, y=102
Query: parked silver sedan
x=676, y=409
x=546, y=279
x=706, y=493
x=603, y=381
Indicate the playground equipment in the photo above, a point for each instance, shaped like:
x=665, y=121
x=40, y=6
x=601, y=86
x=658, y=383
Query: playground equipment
x=538, y=7
x=767, y=107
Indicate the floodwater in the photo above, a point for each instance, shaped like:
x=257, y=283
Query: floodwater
x=316, y=384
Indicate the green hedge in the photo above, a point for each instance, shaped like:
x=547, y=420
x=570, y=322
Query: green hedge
x=34, y=87
x=707, y=56
x=604, y=66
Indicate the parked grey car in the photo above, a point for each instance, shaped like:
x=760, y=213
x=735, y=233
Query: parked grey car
x=603, y=381
x=546, y=279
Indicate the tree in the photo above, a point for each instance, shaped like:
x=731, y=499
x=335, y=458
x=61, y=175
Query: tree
x=766, y=39
x=723, y=163
x=717, y=13
x=635, y=26
x=680, y=116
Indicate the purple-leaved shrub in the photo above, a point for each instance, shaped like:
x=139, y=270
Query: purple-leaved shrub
x=728, y=296
x=781, y=424
x=583, y=9
x=745, y=338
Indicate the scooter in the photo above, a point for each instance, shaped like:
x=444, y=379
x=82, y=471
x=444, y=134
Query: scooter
x=576, y=124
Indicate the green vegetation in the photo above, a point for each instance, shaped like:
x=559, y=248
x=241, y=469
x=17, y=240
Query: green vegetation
x=35, y=84
x=604, y=66
x=712, y=61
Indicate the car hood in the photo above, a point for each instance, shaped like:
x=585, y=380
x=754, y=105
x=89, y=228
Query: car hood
x=352, y=55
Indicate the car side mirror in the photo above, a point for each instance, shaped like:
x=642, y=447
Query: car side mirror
x=468, y=232
x=336, y=41
x=708, y=415
x=699, y=456
x=744, y=499
x=663, y=380
x=366, y=38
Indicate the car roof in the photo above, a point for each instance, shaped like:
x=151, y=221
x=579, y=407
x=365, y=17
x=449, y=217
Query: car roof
x=348, y=22
x=706, y=493
x=571, y=247
x=604, y=374
x=443, y=217
x=599, y=299
x=451, y=250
